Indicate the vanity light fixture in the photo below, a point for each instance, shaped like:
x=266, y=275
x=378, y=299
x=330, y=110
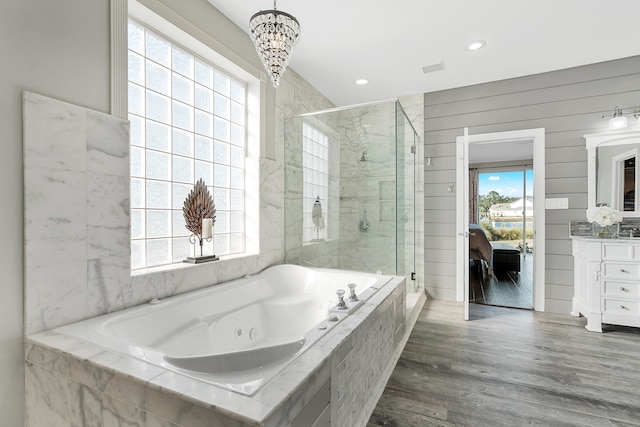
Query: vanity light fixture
x=618, y=119
x=476, y=44
x=274, y=34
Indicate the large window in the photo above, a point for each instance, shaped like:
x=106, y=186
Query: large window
x=315, y=176
x=187, y=122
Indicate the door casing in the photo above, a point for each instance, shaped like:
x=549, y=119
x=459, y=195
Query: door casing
x=537, y=136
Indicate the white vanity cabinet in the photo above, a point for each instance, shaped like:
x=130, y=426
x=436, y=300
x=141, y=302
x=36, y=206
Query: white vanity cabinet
x=606, y=282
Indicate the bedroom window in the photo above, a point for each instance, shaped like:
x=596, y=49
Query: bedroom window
x=505, y=205
x=315, y=177
x=188, y=121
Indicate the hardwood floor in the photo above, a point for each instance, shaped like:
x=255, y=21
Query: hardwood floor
x=504, y=288
x=509, y=367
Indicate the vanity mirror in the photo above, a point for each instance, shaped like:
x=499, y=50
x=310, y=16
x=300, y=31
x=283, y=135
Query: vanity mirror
x=613, y=178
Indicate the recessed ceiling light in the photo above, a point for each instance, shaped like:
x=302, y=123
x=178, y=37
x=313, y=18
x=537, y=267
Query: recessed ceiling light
x=476, y=44
x=362, y=82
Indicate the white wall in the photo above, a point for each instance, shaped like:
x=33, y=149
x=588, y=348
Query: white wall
x=59, y=49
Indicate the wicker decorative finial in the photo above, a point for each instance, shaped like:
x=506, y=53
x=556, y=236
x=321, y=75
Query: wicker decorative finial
x=198, y=205
x=199, y=208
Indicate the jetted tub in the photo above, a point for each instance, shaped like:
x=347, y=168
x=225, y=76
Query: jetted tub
x=237, y=335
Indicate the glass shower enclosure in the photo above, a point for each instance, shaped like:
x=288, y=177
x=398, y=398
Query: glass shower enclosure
x=350, y=190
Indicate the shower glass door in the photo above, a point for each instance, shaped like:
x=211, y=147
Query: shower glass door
x=349, y=190
x=406, y=139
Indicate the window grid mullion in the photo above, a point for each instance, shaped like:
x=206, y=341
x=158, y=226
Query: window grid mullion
x=171, y=155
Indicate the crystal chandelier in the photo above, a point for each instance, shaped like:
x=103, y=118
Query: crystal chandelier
x=274, y=33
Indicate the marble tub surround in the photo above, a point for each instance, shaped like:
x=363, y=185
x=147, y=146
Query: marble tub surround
x=76, y=186
x=77, y=236
x=70, y=381
x=222, y=334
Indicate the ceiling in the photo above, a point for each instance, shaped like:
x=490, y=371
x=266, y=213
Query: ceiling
x=389, y=42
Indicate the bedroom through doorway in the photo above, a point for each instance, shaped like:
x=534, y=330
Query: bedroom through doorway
x=501, y=204
x=498, y=150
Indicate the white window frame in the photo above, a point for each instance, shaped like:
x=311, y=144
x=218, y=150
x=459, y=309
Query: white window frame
x=171, y=25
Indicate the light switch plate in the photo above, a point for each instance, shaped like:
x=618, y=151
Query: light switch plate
x=557, y=203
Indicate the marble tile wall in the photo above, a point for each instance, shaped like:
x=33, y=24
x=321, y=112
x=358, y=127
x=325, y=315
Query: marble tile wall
x=76, y=211
x=325, y=253
x=368, y=184
x=77, y=254
x=295, y=96
x=358, y=375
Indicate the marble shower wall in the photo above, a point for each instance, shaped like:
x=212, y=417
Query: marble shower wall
x=77, y=237
x=296, y=96
x=368, y=188
x=324, y=254
x=363, y=142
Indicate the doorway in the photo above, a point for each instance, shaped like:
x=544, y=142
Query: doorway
x=502, y=204
x=498, y=144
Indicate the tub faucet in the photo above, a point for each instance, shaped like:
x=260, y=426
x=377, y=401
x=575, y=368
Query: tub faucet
x=341, y=304
x=352, y=294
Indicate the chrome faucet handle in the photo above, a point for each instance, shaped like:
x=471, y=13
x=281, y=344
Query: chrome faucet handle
x=352, y=294
x=341, y=304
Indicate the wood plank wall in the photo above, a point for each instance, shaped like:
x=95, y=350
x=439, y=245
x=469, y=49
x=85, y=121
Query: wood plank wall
x=568, y=104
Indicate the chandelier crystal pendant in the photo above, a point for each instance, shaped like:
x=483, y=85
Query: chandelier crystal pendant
x=274, y=34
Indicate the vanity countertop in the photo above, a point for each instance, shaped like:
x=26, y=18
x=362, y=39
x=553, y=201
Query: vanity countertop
x=611, y=240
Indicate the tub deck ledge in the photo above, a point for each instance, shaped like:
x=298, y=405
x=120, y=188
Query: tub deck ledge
x=73, y=366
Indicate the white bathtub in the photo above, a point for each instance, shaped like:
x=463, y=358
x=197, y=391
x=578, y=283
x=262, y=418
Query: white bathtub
x=237, y=335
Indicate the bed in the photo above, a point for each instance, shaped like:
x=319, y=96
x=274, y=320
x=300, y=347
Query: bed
x=479, y=247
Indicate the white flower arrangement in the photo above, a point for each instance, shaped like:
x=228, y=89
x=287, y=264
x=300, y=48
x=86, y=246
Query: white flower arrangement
x=604, y=216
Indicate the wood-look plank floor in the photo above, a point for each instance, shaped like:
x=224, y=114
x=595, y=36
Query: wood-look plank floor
x=508, y=367
x=503, y=288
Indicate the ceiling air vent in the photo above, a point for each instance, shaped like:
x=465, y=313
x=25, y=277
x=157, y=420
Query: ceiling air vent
x=433, y=67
